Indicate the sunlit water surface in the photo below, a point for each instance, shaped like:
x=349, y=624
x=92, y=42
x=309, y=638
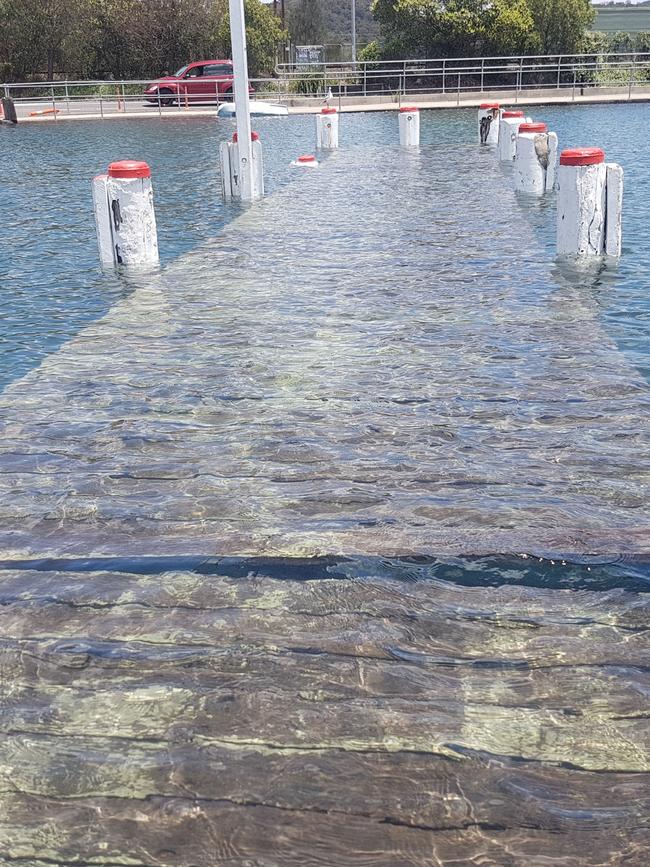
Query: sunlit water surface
x=327, y=544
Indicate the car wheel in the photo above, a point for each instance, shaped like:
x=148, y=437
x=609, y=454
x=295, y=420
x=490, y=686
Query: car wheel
x=227, y=95
x=164, y=95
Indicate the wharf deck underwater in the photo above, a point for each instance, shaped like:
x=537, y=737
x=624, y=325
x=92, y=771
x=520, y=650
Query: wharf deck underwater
x=394, y=400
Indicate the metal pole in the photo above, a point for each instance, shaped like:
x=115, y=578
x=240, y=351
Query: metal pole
x=242, y=100
x=629, y=90
x=354, y=31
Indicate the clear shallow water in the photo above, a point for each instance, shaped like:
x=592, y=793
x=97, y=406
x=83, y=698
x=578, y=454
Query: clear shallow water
x=376, y=361
x=50, y=284
x=332, y=711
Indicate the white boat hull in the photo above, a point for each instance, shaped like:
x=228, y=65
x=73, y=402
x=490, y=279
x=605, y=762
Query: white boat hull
x=258, y=109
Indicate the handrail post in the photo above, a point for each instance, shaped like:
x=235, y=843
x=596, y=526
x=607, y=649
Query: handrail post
x=458, y=94
x=67, y=98
x=482, y=72
x=559, y=71
x=629, y=88
x=574, y=84
x=53, y=101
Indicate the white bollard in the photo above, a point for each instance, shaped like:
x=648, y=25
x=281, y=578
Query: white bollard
x=125, y=217
x=307, y=161
x=327, y=129
x=535, y=159
x=488, y=123
x=509, y=124
x=409, y=127
x=231, y=180
x=588, y=209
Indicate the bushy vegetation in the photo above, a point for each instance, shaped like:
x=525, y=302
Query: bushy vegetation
x=126, y=38
x=469, y=28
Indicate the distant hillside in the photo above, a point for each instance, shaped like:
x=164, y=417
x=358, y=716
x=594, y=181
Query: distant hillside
x=622, y=19
x=337, y=19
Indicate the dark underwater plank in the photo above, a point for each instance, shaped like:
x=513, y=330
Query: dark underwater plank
x=408, y=788
x=172, y=832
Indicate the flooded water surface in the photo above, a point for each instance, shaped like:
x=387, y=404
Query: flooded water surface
x=326, y=544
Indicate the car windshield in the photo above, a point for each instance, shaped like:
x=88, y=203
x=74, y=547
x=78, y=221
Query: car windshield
x=181, y=71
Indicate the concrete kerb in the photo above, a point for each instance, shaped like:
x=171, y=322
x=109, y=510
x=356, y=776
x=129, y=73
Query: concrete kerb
x=350, y=104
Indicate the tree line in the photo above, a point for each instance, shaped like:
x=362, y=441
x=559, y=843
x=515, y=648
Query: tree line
x=126, y=38
x=122, y=39
x=471, y=28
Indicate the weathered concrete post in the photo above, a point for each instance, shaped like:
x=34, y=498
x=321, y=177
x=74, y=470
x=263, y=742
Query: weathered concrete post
x=125, y=217
x=8, y=110
x=535, y=159
x=409, y=127
x=327, y=129
x=230, y=177
x=488, y=123
x=589, y=204
x=509, y=124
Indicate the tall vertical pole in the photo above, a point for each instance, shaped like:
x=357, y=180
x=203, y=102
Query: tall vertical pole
x=242, y=101
x=354, y=31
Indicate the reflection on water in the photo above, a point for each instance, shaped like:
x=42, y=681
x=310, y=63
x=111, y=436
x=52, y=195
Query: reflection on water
x=327, y=545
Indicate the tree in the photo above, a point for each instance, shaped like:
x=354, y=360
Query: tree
x=306, y=22
x=560, y=24
x=38, y=32
x=508, y=28
x=264, y=33
x=456, y=28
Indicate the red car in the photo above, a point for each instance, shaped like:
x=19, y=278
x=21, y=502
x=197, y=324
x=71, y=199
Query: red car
x=203, y=81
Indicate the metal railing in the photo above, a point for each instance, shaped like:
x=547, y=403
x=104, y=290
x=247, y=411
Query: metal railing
x=476, y=74
x=445, y=79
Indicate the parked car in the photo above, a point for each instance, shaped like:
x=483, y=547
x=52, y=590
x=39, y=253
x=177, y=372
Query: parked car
x=203, y=81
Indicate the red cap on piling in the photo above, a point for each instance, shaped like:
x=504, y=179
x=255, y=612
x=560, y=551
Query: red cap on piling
x=255, y=136
x=328, y=110
x=306, y=158
x=538, y=126
x=486, y=105
x=409, y=108
x=512, y=114
x=129, y=169
x=582, y=157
